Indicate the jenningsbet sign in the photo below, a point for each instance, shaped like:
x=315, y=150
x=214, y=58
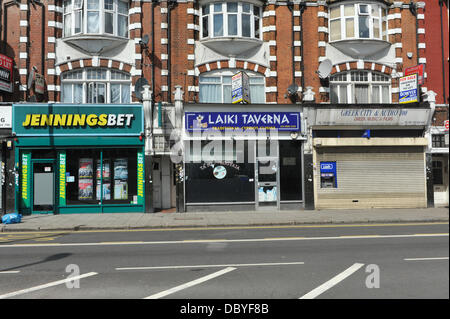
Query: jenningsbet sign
x=86, y=120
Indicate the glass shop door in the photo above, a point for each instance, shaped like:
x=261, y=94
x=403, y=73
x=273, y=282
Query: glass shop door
x=43, y=192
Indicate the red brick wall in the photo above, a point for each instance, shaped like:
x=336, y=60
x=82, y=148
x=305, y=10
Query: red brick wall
x=432, y=37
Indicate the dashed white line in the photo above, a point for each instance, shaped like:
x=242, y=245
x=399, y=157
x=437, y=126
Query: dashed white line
x=332, y=282
x=431, y=258
x=191, y=283
x=10, y=272
x=51, y=284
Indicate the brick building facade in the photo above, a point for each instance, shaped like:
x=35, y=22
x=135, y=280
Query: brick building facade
x=95, y=51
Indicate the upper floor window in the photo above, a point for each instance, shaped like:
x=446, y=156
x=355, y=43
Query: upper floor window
x=215, y=87
x=358, y=21
x=96, y=17
x=438, y=140
x=95, y=85
x=230, y=19
x=360, y=87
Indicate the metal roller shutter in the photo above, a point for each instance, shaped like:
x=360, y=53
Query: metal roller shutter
x=374, y=177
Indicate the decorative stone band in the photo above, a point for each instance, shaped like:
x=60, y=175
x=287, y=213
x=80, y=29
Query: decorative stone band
x=269, y=33
x=193, y=31
x=54, y=14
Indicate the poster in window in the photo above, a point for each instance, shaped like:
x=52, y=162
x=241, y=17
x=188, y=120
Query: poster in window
x=121, y=169
x=106, y=191
x=106, y=170
x=85, y=168
x=85, y=189
x=120, y=189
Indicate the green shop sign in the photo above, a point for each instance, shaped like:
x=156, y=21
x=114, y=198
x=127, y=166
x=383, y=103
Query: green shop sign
x=70, y=119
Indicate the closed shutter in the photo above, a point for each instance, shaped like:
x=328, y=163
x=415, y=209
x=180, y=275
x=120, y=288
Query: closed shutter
x=374, y=177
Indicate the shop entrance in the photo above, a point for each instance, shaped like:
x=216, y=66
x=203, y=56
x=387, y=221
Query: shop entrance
x=43, y=192
x=267, y=183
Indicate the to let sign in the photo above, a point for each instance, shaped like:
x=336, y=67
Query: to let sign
x=408, y=89
x=6, y=72
x=446, y=125
x=417, y=69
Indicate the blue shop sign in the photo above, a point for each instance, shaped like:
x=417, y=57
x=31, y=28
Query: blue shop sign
x=280, y=121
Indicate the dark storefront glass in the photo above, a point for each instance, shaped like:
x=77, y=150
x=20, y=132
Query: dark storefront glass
x=219, y=180
x=290, y=170
x=84, y=182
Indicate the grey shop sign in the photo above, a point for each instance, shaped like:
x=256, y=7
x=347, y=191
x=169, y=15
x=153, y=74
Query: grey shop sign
x=372, y=116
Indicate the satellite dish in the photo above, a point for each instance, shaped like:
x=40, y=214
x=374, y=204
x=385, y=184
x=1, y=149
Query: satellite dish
x=292, y=89
x=325, y=68
x=139, y=87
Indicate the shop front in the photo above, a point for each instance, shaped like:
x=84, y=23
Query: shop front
x=371, y=157
x=243, y=157
x=79, y=158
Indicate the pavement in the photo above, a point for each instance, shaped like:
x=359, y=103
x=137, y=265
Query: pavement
x=114, y=221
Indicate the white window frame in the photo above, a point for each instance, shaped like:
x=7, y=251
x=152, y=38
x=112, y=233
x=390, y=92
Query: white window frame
x=347, y=82
x=356, y=7
x=82, y=78
x=101, y=21
x=230, y=73
x=225, y=13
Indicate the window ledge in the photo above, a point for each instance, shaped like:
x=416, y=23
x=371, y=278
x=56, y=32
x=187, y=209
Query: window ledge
x=95, y=43
x=361, y=48
x=231, y=45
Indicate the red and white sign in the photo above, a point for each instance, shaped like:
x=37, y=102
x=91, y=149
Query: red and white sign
x=419, y=70
x=6, y=73
x=446, y=125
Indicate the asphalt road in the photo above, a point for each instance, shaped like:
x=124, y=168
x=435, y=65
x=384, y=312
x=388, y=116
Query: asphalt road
x=314, y=262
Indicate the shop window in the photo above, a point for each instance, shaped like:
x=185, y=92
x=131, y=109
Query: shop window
x=438, y=140
x=360, y=87
x=230, y=19
x=215, y=87
x=220, y=178
x=95, y=85
x=438, y=178
x=358, y=21
x=86, y=185
x=95, y=17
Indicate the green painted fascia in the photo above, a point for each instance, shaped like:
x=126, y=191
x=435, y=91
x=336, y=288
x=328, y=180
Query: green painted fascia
x=51, y=141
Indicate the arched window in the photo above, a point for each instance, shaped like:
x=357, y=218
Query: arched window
x=215, y=87
x=109, y=17
x=360, y=87
x=95, y=85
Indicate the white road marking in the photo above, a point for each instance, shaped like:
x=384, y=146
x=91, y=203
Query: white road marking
x=332, y=282
x=211, y=266
x=50, y=284
x=432, y=258
x=191, y=283
x=224, y=240
x=10, y=272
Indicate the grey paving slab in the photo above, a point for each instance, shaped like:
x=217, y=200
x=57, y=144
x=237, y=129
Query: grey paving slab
x=202, y=219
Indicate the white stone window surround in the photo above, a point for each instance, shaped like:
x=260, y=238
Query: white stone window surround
x=87, y=82
x=90, y=17
x=349, y=13
x=345, y=86
x=208, y=9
